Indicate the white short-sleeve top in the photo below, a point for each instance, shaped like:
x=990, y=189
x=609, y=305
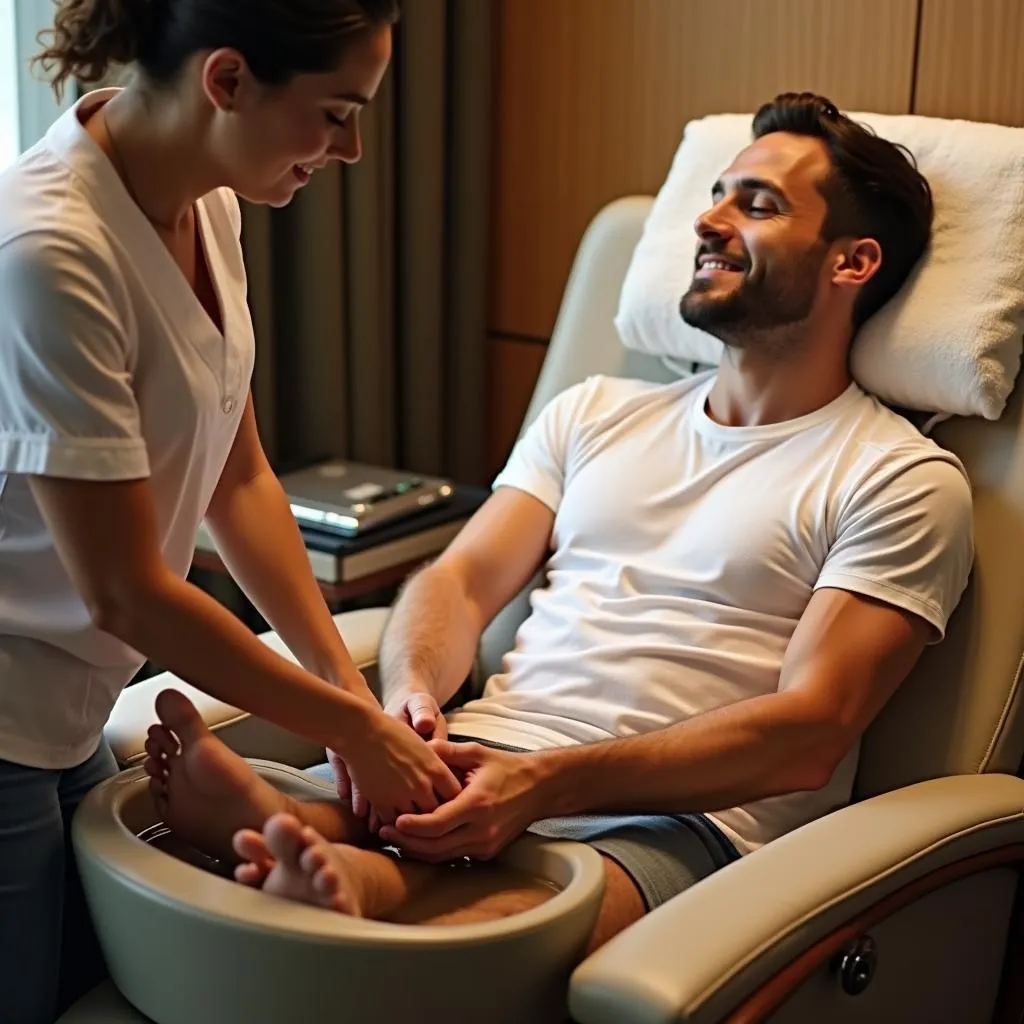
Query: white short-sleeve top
x=684, y=554
x=110, y=369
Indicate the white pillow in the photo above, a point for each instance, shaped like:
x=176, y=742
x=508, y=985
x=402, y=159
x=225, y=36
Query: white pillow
x=949, y=342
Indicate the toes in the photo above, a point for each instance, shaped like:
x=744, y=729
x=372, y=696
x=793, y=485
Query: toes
x=250, y=846
x=178, y=713
x=330, y=892
x=161, y=742
x=313, y=858
x=156, y=760
x=285, y=839
x=253, y=875
x=326, y=882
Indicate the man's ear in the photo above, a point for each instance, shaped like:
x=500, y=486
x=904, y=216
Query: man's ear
x=225, y=75
x=856, y=262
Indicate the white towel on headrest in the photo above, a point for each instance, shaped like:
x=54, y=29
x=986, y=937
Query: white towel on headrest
x=950, y=342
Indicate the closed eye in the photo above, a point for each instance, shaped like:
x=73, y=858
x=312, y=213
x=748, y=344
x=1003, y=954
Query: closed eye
x=339, y=122
x=761, y=204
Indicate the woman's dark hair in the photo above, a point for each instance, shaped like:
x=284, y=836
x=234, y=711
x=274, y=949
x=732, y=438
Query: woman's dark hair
x=278, y=38
x=874, y=190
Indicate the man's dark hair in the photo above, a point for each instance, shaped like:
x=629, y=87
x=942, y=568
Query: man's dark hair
x=874, y=190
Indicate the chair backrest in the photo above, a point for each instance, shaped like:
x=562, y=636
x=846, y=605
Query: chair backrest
x=585, y=342
x=961, y=709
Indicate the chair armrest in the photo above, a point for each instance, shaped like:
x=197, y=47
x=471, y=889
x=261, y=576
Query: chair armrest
x=701, y=954
x=134, y=711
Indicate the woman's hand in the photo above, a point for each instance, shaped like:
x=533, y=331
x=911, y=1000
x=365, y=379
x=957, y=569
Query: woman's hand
x=418, y=710
x=343, y=784
x=394, y=771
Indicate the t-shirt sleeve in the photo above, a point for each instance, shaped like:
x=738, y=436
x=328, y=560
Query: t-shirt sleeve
x=540, y=460
x=67, y=406
x=906, y=537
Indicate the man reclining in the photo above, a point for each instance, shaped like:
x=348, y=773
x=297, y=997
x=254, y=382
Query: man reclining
x=741, y=569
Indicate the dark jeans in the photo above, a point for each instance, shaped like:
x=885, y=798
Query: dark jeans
x=49, y=955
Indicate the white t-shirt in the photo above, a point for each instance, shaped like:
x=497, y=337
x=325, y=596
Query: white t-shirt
x=110, y=369
x=684, y=553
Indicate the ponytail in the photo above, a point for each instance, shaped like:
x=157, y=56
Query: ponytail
x=89, y=36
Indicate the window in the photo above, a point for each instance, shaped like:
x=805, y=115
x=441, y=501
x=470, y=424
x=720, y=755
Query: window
x=10, y=136
x=27, y=103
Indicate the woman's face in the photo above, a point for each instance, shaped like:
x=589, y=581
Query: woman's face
x=270, y=141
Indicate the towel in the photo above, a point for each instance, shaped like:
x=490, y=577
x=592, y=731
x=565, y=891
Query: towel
x=949, y=343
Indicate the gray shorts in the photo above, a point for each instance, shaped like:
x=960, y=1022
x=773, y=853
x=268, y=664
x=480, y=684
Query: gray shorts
x=662, y=853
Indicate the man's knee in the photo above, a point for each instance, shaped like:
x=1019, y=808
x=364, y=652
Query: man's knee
x=621, y=906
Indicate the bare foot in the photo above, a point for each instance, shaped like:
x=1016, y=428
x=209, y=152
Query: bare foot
x=294, y=861
x=204, y=791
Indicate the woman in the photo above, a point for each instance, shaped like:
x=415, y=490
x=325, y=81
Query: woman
x=126, y=351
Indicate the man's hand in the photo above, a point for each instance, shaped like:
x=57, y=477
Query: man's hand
x=499, y=802
x=420, y=711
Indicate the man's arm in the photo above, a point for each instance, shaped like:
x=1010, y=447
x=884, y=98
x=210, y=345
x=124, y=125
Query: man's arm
x=845, y=660
x=847, y=657
x=257, y=536
x=433, y=633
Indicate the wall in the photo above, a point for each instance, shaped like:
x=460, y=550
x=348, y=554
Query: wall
x=593, y=96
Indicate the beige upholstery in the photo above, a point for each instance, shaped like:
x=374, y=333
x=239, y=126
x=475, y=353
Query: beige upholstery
x=960, y=711
x=584, y=343
x=745, y=923
x=955, y=722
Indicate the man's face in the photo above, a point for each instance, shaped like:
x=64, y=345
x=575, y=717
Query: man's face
x=760, y=257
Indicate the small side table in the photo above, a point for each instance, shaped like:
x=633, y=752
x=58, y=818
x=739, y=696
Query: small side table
x=353, y=569
x=334, y=593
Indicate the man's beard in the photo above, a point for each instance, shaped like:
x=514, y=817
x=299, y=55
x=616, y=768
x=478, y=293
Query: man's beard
x=762, y=309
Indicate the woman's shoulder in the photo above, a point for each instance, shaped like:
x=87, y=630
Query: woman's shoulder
x=44, y=210
x=45, y=257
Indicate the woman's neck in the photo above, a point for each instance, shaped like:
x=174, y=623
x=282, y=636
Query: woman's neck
x=154, y=147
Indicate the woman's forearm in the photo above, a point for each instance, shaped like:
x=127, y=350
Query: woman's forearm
x=185, y=631
x=263, y=550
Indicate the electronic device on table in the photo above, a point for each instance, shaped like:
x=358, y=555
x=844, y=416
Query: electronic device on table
x=350, y=498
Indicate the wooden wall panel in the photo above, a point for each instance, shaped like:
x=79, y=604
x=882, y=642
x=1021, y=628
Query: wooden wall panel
x=593, y=95
x=971, y=60
x=514, y=369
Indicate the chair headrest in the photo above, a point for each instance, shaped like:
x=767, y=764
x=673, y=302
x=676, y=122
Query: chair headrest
x=949, y=342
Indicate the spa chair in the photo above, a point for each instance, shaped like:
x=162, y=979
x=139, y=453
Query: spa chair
x=894, y=909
